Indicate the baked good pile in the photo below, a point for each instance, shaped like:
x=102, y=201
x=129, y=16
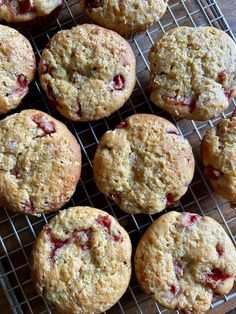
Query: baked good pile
x=82, y=259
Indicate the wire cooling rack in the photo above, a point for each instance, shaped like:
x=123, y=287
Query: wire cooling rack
x=18, y=233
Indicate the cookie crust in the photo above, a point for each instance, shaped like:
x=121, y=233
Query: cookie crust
x=144, y=165
x=81, y=261
x=40, y=163
x=183, y=259
x=193, y=72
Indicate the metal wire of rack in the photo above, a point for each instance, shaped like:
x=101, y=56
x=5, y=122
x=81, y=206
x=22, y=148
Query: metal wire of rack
x=18, y=233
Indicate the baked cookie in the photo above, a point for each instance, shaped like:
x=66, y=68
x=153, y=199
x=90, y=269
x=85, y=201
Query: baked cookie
x=193, y=72
x=26, y=10
x=219, y=157
x=125, y=16
x=17, y=67
x=81, y=261
x=40, y=163
x=88, y=72
x=144, y=165
x=183, y=259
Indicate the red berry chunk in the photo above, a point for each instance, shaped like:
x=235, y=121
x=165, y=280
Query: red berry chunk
x=212, y=173
x=122, y=125
x=93, y=4
x=174, y=289
x=104, y=221
x=222, y=75
x=29, y=207
x=48, y=127
x=25, y=5
x=118, y=82
x=187, y=220
x=220, y=250
x=44, y=66
x=82, y=236
x=229, y=94
x=169, y=199
x=172, y=132
x=22, y=85
x=51, y=96
x=183, y=101
x=216, y=276
x=179, y=267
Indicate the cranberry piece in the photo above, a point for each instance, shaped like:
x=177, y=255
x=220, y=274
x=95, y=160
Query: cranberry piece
x=189, y=102
x=117, y=238
x=174, y=289
x=56, y=243
x=215, y=277
x=220, y=250
x=44, y=66
x=222, y=75
x=212, y=173
x=25, y=6
x=122, y=125
x=179, y=267
x=22, y=85
x=104, y=221
x=172, y=132
x=187, y=220
x=84, y=236
x=51, y=96
x=169, y=199
x=93, y=4
x=118, y=82
x=29, y=207
x=48, y=127
x=229, y=94
x=48, y=45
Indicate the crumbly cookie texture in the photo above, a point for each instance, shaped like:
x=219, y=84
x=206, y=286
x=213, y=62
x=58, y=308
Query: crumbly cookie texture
x=26, y=10
x=125, y=16
x=183, y=259
x=40, y=163
x=81, y=261
x=17, y=67
x=144, y=165
x=193, y=72
x=88, y=72
x=219, y=157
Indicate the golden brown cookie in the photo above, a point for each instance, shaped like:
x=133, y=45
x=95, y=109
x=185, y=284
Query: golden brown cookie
x=26, y=10
x=17, y=67
x=144, y=165
x=125, y=16
x=88, y=72
x=81, y=261
x=183, y=259
x=193, y=72
x=40, y=163
x=219, y=157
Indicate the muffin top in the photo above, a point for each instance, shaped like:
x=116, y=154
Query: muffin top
x=40, y=163
x=219, y=157
x=81, y=261
x=144, y=165
x=183, y=259
x=26, y=10
x=17, y=67
x=193, y=72
x=125, y=16
x=88, y=72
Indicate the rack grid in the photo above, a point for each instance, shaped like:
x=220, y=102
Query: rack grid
x=18, y=233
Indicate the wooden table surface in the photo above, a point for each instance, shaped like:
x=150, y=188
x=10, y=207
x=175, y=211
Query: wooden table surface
x=228, y=8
